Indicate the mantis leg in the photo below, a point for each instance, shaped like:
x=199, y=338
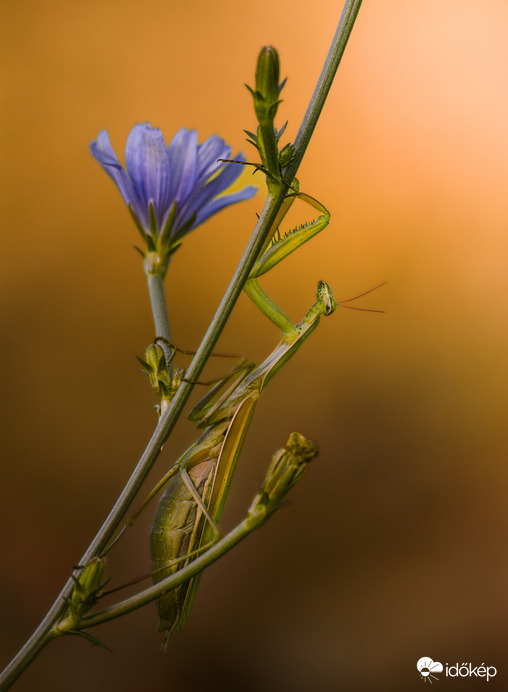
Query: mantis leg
x=220, y=393
x=198, y=500
x=278, y=249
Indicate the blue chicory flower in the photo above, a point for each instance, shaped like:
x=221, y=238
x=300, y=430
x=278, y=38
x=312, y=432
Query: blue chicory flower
x=185, y=173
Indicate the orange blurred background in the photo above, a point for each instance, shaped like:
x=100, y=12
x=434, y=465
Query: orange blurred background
x=394, y=546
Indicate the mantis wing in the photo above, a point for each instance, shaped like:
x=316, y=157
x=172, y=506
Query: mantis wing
x=226, y=464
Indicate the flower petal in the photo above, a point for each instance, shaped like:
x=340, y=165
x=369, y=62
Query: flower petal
x=205, y=194
x=209, y=152
x=102, y=151
x=222, y=202
x=182, y=157
x=148, y=167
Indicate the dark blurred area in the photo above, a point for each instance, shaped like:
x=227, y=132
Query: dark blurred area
x=393, y=546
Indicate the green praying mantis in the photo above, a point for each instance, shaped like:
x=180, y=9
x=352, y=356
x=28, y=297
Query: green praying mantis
x=186, y=519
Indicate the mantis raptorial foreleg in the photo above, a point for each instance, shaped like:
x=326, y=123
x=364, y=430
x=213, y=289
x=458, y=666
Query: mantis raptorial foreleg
x=276, y=249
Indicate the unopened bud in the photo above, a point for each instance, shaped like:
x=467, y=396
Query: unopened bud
x=267, y=73
x=156, y=367
x=266, y=92
x=287, y=468
x=87, y=587
x=286, y=155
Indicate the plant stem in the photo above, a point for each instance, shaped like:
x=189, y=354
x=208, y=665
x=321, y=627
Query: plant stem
x=167, y=421
x=195, y=567
x=160, y=315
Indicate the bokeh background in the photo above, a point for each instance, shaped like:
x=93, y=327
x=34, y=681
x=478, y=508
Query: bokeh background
x=394, y=546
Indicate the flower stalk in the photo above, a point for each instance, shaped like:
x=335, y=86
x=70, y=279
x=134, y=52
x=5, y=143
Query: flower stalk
x=160, y=314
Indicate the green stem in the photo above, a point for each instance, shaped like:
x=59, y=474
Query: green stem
x=195, y=567
x=270, y=154
x=160, y=314
x=168, y=420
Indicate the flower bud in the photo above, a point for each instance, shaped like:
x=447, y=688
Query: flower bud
x=87, y=587
x=286, y=155
x=156, y=367
x=287, y=468
x=267, y=73
x=266, y=94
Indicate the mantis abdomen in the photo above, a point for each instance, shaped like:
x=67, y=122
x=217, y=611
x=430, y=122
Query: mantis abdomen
x=173, y=536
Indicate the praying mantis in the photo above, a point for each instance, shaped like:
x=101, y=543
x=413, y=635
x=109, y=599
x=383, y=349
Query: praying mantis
x=186, y=518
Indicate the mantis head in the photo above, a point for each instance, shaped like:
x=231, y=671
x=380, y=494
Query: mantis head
x=325, y=298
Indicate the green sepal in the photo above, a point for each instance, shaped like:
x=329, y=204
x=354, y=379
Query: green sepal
x=136, y=221
x=146, y=366
x=253, y=93
x=165, y=235
x=279, y=133
x=254, y=144
x=140, y=251
x=149, y=243
x=154, y=231
x=175, y=245
x=163, y=390
x=89, y=637
x=156, y=357
x=253, y=138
